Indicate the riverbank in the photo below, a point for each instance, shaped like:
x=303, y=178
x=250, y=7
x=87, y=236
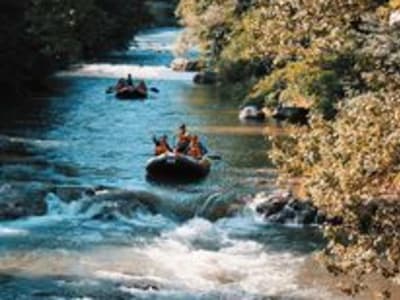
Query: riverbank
x=376, y=287
x=340, y=68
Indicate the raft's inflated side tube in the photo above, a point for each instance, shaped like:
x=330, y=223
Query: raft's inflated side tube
x=130, y=95
x=171, y=167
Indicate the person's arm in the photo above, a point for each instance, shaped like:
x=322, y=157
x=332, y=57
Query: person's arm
x=155, y=140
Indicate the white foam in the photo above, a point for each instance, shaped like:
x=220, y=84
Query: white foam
x=159, y=40
x=35, y=142
x=6, y=232
x=193, y=230
x=56, y=207
x=178, y=263
x=117, y=71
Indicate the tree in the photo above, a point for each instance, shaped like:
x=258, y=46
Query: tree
x=42, y=36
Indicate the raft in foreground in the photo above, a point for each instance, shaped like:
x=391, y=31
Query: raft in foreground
x=172, y=167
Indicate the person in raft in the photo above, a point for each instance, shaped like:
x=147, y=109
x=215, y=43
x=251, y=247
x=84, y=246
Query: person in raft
x=195, y=150
x=184, y=140
x=129, y=80
x=142, y=87
x=120, y=84
x=161, y=145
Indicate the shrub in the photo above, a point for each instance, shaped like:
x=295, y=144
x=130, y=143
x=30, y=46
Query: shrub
x=351, y=168
x=41, y=36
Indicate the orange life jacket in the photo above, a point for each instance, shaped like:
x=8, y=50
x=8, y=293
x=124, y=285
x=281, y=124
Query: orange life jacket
x=195, y=151
x=184, y=138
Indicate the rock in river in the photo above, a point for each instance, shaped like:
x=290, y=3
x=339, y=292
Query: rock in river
x=284, y=208
x=205, y=77
x=186, y=65
x=22, y=200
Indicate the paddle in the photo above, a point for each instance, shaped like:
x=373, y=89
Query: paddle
x=110, y=90
x=214, y=156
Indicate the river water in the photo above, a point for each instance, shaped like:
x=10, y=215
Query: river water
x=152, y=241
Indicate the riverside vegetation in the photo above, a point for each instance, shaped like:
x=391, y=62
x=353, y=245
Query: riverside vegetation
x=342, y=60
x=39, y=37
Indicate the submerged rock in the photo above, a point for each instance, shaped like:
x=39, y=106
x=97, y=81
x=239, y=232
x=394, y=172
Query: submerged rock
x=219, y=205
x=252, y=112
x=125, y=203
x=14, y=147
x=69, y=193
x=22, y=200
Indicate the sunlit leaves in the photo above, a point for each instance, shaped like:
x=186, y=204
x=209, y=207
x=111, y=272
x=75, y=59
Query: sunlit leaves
x=350, y=168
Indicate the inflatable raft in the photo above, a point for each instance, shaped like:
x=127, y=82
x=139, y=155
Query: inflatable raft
x=128, y=94
x=177, y=167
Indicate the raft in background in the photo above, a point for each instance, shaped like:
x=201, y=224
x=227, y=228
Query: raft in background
x=177, y=167
x=131, y=95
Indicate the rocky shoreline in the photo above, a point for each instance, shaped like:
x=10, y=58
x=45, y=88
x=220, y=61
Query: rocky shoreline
x=283, y=207
x=376, y=287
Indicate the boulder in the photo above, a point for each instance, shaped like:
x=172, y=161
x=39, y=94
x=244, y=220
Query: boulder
x=295, y=115
x=283, y=216
x=271, y=207
x=19, y=201
x=252, y=113
x=186, y=65
x=205, y=77
x=284, y=208
x=125, y=202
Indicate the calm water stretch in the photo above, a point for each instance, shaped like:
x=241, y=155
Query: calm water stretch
x=152, y=241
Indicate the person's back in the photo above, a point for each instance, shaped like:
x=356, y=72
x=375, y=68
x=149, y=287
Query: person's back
x=183, y=139
x=121, y=84
x=129, y=81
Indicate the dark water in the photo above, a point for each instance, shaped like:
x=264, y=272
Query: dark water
x=177, y=242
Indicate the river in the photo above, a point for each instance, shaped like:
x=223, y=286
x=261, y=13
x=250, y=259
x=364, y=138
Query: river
x=165, y=241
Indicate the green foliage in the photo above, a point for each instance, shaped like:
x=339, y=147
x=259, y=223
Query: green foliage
x=41, y=36
x=350, y=168
x=332, y=37
x=332, y=56
x=327, y=89
x=242, y=70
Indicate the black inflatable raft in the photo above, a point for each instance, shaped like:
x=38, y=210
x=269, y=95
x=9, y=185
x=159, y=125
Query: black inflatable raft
x=172, y=167
x=130, y=94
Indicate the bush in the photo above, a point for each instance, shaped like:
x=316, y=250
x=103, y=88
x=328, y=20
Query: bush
x=351, y=168
x=41, y=36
